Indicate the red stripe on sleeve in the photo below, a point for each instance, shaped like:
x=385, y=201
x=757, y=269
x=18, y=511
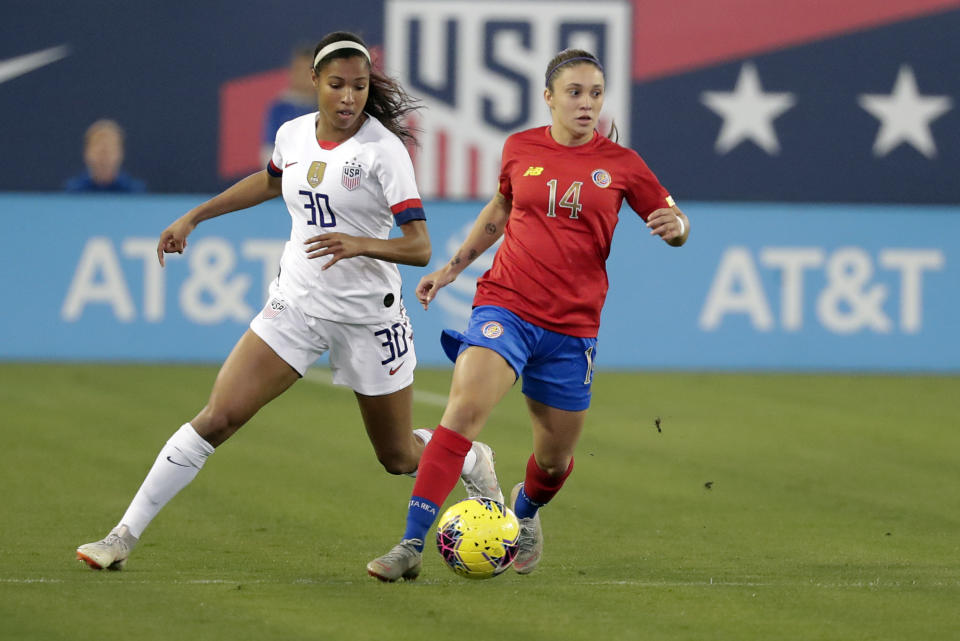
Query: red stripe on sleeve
x=406, y=204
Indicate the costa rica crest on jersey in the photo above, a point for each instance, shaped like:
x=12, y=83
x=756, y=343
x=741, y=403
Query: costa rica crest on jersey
x=352, y=175
x=601, y=178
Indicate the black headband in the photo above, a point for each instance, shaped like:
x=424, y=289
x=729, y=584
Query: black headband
x=577, y=59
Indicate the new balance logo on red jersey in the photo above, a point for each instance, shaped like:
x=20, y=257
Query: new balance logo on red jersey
x=533, y=171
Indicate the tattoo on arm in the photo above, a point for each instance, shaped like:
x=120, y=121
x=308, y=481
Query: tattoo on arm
x=491, y=228
x=456, y=260
x=473, y=254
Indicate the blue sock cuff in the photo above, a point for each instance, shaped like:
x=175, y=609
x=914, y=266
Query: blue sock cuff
x=421, y=513
x=525, y=508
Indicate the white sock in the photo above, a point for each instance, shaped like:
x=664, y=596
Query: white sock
x=425, y=435
x=176, y=465
x=469, y=462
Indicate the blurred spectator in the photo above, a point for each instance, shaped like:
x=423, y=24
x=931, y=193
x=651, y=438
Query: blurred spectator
x=103, y=156
x=299, y=98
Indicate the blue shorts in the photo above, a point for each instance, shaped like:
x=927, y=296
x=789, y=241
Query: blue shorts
x=557, y=369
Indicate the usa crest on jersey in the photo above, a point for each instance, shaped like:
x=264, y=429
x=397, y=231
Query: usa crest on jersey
x=352, y=174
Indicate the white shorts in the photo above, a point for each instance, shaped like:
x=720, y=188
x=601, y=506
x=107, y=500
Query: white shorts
x=370, y=359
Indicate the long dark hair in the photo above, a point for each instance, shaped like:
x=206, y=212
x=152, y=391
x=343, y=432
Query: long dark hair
x=387, y=101
x=576, y=57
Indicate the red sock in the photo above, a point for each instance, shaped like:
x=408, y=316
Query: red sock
x=538, y=486
x=440, y=465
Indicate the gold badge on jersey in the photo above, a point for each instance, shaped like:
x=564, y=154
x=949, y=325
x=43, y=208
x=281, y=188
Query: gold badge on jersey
x=315, y=173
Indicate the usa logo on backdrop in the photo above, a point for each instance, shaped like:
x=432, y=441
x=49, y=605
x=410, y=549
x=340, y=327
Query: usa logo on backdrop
x=478, y=68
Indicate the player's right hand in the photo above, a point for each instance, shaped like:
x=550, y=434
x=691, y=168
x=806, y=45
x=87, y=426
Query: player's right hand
x=173, y=240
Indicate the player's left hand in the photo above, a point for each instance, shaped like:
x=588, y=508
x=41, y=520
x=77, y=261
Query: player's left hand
x=665, y=223
x=335, y=245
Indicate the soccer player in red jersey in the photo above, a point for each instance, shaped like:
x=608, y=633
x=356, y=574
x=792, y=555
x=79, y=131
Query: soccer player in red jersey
x=536, y=312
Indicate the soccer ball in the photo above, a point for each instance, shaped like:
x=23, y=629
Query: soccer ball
x=477, y=538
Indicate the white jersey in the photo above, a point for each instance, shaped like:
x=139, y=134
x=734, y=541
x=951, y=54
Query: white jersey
x=360, y=187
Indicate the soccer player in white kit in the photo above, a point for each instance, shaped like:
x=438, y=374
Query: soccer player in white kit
x=346, y=179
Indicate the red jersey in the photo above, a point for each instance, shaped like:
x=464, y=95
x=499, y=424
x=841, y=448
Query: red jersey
x=551, y=267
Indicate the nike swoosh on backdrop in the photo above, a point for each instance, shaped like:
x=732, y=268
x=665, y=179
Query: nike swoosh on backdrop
x=13, y=67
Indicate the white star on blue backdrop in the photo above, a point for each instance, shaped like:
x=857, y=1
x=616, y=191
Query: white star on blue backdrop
x=748, y=112
x=905, y=115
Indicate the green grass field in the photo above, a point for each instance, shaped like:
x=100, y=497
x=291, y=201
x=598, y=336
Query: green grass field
x=766, y=507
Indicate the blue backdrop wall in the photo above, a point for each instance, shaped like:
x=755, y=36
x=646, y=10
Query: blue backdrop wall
x=811, y=287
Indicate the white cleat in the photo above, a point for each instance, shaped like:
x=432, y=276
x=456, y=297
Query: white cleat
x=530, y=540
x=402, y=562
x=110, y=553
x=482, y=480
